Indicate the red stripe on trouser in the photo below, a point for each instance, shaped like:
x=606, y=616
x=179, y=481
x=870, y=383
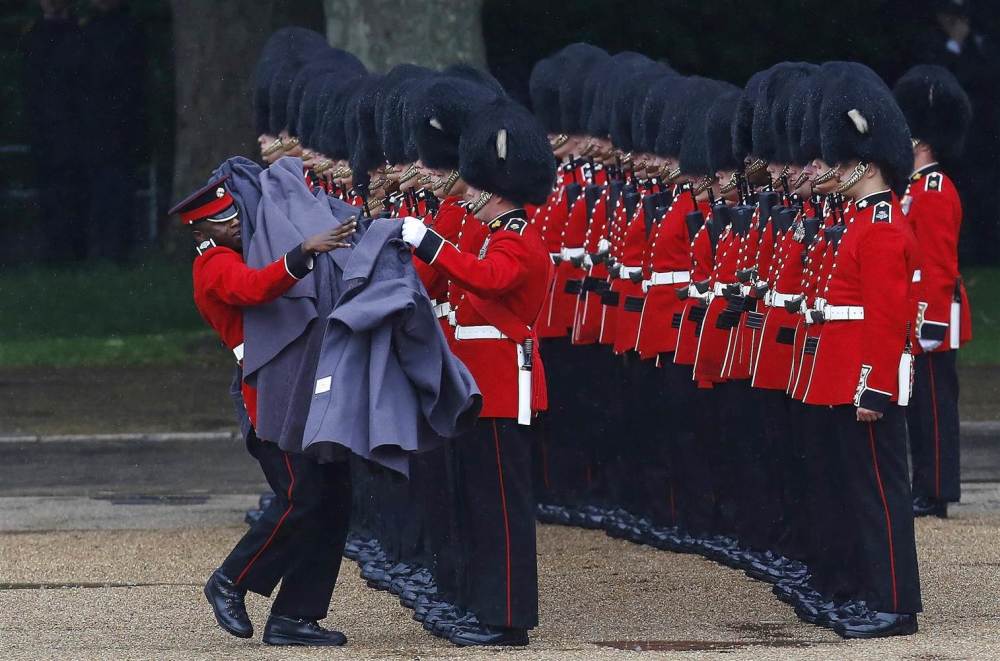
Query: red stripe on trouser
x=888, y=519
x=291, y=485
x=937, y=434
x=506, y=520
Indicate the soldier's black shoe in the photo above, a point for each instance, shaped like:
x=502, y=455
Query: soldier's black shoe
x=445, y=627
x=426, y=605
x=852, y=610
x=811, y=612
x=923, y=506
x=282, y=630
x=440, y=613
x=252, y=516
x=554, y=514
x=487, y=635
x=878, y=625
x=227, y=602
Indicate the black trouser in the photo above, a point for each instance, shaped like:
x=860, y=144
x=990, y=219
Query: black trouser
x=498, y=521
x=932, y=419
x=441, y=511
x=879, y=508
x=829, y=532
x=691, y=484
x=299, y=539
x=743, y=494
x=603, y=425
x=642, y=442
x=784, y=471
x=562, y=459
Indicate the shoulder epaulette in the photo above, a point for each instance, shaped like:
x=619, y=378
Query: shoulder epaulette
x=515, y=225
x=882, y=213
x=933, y=181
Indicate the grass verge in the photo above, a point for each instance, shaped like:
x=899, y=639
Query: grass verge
x=101, y=315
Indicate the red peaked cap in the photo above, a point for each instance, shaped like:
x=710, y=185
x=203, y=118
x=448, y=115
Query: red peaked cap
x=212, y=202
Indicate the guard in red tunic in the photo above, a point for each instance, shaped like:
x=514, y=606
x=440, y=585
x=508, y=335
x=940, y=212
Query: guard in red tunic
x=938, y=112
x=299, y=537
x=506, y=159
x=862, y=359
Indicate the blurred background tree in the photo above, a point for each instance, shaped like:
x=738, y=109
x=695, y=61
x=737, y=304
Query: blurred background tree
x=383, y=33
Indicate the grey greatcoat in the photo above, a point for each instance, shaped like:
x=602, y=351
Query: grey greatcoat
x=362, y=316
x=386, y=383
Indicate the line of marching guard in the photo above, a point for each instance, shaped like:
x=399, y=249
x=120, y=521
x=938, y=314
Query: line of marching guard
x=735, y=292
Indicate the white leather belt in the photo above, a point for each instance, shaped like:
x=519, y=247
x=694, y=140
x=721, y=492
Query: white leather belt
x=843, y=313
x=238, y=352
x=670, y=277
x=478, y=333
x=569, y=253
x=627, y=271
x=442, y=310
x=776, y=299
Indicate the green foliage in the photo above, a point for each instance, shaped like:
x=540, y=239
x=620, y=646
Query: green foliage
x=983, y=285
x=100, y=315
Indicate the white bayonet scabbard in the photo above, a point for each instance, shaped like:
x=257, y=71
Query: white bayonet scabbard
x=954, y=325
x=905, y=378
x=523, y=385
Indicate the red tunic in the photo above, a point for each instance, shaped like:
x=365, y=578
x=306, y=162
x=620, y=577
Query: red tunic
x=857, y=360
x=669, y=252
x=934, y=211
x=713, y=342
x=510, y=272
x=702, y=263
x=633, y=256
x=223, y=286
x=773, y=361
x=587, y=319
x=550, y=220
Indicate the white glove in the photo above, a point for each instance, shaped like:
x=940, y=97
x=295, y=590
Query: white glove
x=929, y=345
x=413, y=231
x=603, y=246
x=646, y=284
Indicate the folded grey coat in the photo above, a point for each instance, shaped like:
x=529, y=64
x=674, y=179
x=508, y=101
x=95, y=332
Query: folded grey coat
x=386, y=382
x=353, y=355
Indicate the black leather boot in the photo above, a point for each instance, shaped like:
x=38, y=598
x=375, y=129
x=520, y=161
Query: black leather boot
x=227, y=603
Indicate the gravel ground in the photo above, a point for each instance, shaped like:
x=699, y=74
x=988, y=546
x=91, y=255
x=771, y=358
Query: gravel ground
x=136, y=594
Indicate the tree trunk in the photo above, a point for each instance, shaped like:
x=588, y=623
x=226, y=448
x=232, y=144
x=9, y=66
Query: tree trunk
x=215, y=47
x=432, y=33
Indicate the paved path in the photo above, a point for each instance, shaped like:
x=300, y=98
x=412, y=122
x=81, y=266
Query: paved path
x=95, y=568
x=86, y=578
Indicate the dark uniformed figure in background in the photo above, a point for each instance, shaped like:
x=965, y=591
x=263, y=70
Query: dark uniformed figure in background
x=53, y=52
x=113, y=121
x=938, y=112
x=953, y=42
x=299, y=538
